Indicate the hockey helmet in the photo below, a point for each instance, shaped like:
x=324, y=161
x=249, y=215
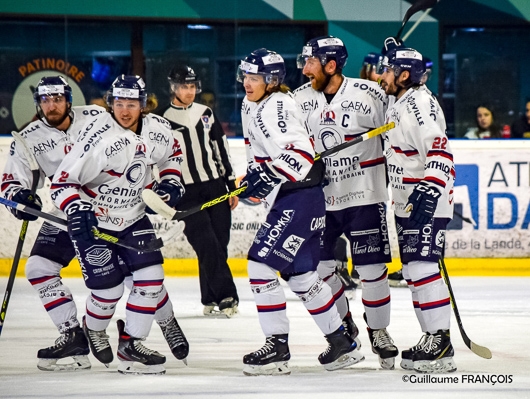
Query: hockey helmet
x=325, y=48
x=127, y=86
x=372, y=59
x=405, y=59
x=263, y=62
x=52, y=85
x=183, y=74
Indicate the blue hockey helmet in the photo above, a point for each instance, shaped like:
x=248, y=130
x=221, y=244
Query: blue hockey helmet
x=263, y=62
x=372, y=59
x=127, y=86
x=52, y=85
x=428, y=65
x=183, y=74
x=325, y=48
x=405, y=59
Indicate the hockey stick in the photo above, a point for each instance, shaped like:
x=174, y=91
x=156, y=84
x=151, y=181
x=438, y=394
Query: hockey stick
x=152, y=245
x=419, y=5
x=481, y=351
x=154, y=202
x=35, y=172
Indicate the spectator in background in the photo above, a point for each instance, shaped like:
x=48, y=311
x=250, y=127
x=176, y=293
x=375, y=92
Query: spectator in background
x=521, y=126
x=487, y=127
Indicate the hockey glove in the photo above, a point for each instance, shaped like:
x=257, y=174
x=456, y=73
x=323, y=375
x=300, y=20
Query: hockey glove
x=25, y=197
x=260, y=181
x=81, y=221
x=171, y=191
x=422, y=204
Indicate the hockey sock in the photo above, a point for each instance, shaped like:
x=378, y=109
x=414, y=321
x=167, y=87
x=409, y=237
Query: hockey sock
x=269, y=297
x=100, y=307
x=376, y=294
x=143, y=300
x=415, y=301
x=433, y=296
x=164, y=308
x=326, y=271
x=316, y=297
x=44, y=275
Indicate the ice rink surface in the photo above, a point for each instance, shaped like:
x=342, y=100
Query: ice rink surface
x=495, y=313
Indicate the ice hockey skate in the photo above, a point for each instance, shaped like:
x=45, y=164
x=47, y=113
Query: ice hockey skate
x=436, y=354
x=396, y=280
x=351, y=328
x=99, y=344
x=176, y=340
x=271, y=359
x=72, y=343
x=383, y=346
x=342, y=351
x=131, y=351
x=228, y=307
x=406, y=356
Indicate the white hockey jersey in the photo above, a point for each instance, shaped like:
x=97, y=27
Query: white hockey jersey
x=274, y=132
x=110, y=166
x=49, y=146
x=418, y=149
x=356, y=174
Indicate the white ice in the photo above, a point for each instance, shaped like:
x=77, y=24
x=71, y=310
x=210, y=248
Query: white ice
x=495, y=313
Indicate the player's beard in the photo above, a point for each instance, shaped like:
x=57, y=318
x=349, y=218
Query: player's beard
x=55, y=119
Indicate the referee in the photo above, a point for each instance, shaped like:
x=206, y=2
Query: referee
x=207, y=173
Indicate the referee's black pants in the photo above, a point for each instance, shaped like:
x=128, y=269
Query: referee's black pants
x=208, y=232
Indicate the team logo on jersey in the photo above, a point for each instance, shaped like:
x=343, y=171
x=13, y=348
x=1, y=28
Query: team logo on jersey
x=327, y=117
x=177, y=151
x=440, y=238
x=140, y=151
x=329, y=138
x=206, y=121
x=292, y=244
x=136, y=173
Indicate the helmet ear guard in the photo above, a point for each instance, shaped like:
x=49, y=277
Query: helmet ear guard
x=130, y=87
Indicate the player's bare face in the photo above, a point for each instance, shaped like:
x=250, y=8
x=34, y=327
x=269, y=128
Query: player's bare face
x=255, y=87
x=388, y=82
x=127, y=113
x=313, y=69
x=484, y=118
x=54, y=108
x=185, y=94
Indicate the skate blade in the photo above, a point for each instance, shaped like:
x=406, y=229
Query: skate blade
x=388, y=363
x=80, y=363
x=345, y=360
x=278, y=368
x=407, y=364
x=132, y=368
x=444, y=365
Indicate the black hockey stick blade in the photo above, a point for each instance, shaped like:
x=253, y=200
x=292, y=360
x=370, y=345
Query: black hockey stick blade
x=420, y=5
x=154, y=202
x=478, y=350
x=145, y=247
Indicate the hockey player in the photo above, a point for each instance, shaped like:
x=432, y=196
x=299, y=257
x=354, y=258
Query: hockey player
x=99, y=184
x=369, y=67
x=281, y=169
x=207, y=173
x=59, y=123
x=421, y=171
x=338, y=109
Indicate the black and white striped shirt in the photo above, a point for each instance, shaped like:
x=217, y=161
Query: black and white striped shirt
x=204, y=145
